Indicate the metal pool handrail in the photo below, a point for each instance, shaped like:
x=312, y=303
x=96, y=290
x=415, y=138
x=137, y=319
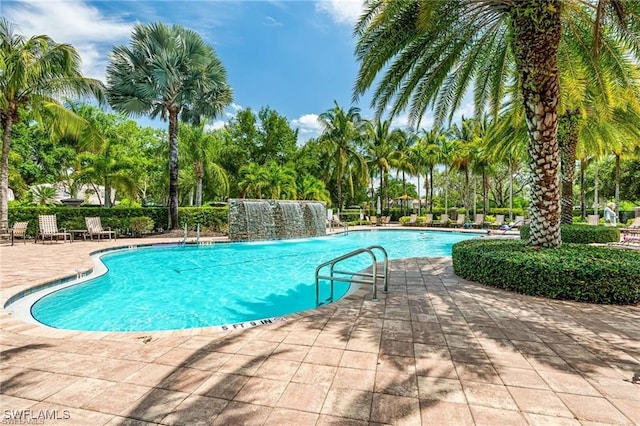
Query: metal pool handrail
x=373, y=275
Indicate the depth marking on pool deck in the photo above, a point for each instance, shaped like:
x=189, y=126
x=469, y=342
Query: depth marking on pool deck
x=250, y=324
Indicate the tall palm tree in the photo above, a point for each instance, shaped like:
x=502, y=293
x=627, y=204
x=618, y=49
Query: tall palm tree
x=404, y=141
x=199, y=155
x=437, y=48
x=433, y=140
x=341, y=132
x=379, y=151
x=171, y=73
x=34, y=73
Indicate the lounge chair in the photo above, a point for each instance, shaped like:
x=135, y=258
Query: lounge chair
x=48, y=228
x=635, y=224
x=517, y=222
x=386, y=220
x=460, y=221
x=444, y=220
x=428, y=219
x=413, y=220
x=593, y=219
x=373, y=220
x=19, y=229
x=499, y=221
x=479, y=222
x=94, y=227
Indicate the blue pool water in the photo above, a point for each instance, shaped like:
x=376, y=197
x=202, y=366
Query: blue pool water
x=178, y=287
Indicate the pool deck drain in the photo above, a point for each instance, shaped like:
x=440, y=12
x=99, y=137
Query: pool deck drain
x=436, y=350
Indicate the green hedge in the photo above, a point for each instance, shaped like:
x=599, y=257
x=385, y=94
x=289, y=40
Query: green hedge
x=574, y=271
x=214, y=218
x=581, y=234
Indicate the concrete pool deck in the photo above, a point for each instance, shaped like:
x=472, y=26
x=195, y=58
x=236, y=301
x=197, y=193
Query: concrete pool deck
x=436, y=350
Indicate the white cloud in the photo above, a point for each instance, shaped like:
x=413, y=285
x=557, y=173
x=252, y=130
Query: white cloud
x=308, y=127
x=218, y=124
x=342, y=11
x=73, y=22
x=272, y=22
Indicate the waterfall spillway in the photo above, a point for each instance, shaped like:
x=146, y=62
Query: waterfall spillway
x=269, y=219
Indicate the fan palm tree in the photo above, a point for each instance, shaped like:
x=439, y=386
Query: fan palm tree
x=168, y=72
x=341, y=132
x=34, y=72
x=431, y=52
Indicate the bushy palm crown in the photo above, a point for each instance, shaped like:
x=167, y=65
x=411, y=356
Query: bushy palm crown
x=168, y=72
x=36, y=73
x=167, y=68
x=425, y=53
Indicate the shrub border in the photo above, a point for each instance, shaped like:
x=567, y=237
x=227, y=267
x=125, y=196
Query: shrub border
x=572, y=272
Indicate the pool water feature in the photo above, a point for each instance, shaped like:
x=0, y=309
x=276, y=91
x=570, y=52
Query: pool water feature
x=179, y=287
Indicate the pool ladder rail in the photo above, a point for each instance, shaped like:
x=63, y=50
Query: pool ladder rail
x=367, y=277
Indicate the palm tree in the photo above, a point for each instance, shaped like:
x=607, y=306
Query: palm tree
x=342, y=130
x=280, y=181
x=380, y=152
x=403, y=142
x=311, y=188
x=168, y=72
x=252, y=179
x=432, y=140
x=198, y=147
x=34, y=72
x=431, y=51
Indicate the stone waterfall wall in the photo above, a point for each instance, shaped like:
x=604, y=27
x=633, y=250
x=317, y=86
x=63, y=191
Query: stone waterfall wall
x=251, y=220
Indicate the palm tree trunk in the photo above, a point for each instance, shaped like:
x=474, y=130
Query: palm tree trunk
x=568, y=134
x=173, y=169
x=583, y=207
x=596, y=204
x=510, y=190
x=199, y=177
x=536, y=31
x=431, y=190
x=7, y=128
x=485, y=192
x=617, y=189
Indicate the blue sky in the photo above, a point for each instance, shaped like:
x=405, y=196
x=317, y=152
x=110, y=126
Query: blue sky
x=293, y=56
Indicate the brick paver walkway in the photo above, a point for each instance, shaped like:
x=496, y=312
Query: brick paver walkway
x=436, y=350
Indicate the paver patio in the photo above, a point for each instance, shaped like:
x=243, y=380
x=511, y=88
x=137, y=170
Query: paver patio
x=436, y=350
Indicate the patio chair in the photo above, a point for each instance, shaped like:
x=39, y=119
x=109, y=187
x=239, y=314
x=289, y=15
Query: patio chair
x=19, y=229
x=499, y=221
x=48, y=228
x=94, y=227
x=373, y=220
x=386, y=220
x=635, y=224
x=428, y=219
x=593, y=219
x=444, y=220
x=479, y=222
x=517, y=222
x=413, y=220
x=460, y=221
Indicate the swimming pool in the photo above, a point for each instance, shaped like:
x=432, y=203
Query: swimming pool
x=180, y=287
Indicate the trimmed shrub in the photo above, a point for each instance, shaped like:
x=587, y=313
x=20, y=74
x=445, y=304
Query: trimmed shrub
x=141, y=225
x=573, y=272
x=581, y=234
